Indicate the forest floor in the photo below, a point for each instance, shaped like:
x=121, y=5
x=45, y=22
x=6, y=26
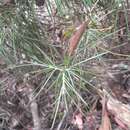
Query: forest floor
x=109, y=99
x=110, y=111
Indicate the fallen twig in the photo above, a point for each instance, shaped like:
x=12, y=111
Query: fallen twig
x=34, y=110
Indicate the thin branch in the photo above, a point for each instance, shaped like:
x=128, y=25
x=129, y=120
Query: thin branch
x=34, y=110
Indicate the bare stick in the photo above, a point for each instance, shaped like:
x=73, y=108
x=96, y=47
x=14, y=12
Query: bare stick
x=34, y=111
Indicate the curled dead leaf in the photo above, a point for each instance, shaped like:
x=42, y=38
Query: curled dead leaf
x=74, y=40
x=77, y=120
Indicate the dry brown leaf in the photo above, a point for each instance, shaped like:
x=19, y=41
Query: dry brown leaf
x=74, y=40
x=106, y=124
x=78, y=121
x=120, y=111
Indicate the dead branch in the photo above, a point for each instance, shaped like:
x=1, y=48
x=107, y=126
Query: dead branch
x=34, y=111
